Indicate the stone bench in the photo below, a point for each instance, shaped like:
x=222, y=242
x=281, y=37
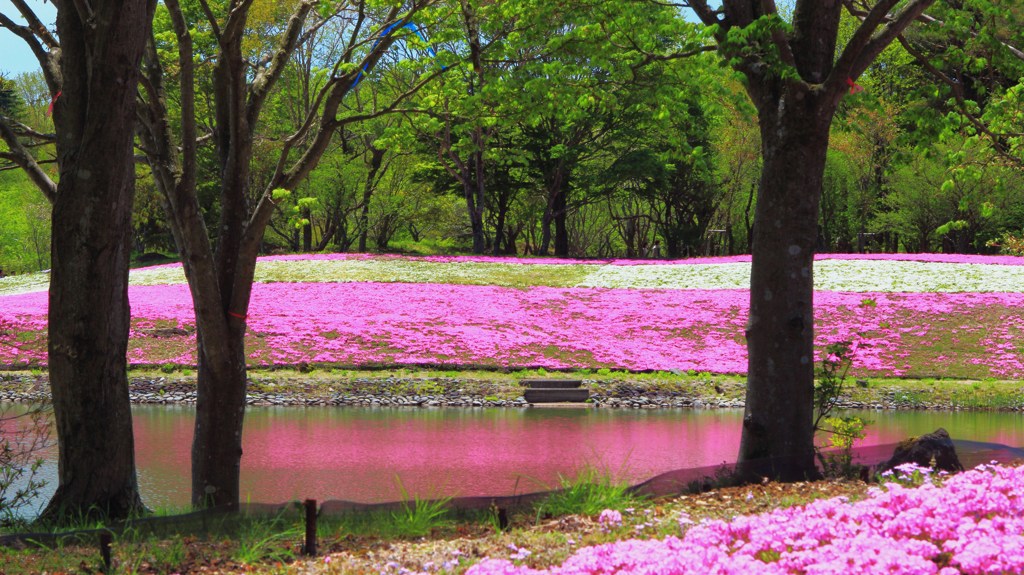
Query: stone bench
x=554, y=391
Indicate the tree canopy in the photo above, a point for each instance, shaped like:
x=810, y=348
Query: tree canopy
x=581, y=129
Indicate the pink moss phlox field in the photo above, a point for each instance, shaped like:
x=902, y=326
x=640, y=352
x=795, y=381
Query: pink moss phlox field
x=973, y=523
x=638, y=329
x=936, y=258
x=487, y=325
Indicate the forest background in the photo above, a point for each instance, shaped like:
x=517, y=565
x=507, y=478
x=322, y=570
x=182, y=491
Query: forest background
x=585, y=130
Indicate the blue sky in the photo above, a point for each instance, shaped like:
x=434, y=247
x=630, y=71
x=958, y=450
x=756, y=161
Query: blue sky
x=15, y=57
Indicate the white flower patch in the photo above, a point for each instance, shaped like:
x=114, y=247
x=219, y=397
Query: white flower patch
x=846, y=275
x=671, y=276
x=915, y=277
x=829, y=275
x=159, y=275
x=24, y=283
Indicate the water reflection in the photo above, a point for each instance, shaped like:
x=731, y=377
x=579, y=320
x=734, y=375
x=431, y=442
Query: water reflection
x=371, y=455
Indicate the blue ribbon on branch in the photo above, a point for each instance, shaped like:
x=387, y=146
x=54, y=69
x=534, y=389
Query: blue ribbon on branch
x=384, y=34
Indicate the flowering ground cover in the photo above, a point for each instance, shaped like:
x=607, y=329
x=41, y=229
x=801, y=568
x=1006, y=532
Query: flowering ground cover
x=833, y=272
x=970, y=523
x=906, y=316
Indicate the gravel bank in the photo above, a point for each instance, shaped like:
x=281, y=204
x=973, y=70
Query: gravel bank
x=386, y=391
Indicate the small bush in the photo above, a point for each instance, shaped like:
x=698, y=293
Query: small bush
x=1009, y=244
x=22, y=437
x=843, y=431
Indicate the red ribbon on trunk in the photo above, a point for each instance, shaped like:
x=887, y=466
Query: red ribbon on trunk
x=49, y=110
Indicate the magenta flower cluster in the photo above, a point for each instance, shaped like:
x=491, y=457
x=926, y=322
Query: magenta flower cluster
x=609, y=519
x=417, y=324
x=972, y=523
x=359, y=324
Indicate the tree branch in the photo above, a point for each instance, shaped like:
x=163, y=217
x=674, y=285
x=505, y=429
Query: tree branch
x=869, y=23
x=1017, y=53
x=20, y=156
x=177, y=183
x=35, y=24
x=997, y=140
x=869, y=41
x=235, y=25
x=186, y=82
x=212, y=19
x=39, y=40
x=700, y=7
x=266, y=79
x=879, y=41
x=25, y=131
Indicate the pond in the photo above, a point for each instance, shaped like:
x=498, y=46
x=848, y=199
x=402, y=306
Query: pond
x=373, y=455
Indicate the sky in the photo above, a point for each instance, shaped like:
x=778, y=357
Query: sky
x=15, y=57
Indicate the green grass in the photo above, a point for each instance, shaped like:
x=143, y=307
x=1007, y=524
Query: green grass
x=417, y=518
x=326, y=382
x=261, y=541
x=264, y=545
x=589, y=492
x=952, y=392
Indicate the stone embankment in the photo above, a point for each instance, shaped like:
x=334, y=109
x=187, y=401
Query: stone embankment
x=434, y=392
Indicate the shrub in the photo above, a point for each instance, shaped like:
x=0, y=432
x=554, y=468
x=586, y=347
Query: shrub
x=1009, y=244
x=22, y=437
x=844, y=431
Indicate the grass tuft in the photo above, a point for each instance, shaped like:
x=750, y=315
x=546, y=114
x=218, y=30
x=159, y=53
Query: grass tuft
x=588, y=493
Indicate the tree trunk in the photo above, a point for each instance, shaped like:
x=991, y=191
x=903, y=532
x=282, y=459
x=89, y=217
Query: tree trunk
x=94, y=118
x=545, y=234
x=670, y=232
x=778, y=422
x=560, y=211
x=796, y=93
x=376, y=159
x=499, y=231
x=473, y=187
x=220, y=410
x=307, y=230
x=473, y=184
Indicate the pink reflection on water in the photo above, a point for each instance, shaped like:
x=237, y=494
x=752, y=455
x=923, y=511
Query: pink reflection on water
x=362, y=454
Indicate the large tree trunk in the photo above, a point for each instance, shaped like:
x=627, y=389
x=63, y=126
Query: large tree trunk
x=796, y=92
x=89, y=315
x=778, y=432
x=376, y=159
x=220, y=411
x=473, y=188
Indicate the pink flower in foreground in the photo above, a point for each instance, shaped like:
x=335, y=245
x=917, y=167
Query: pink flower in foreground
x=609, y=519
x=971, y=524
